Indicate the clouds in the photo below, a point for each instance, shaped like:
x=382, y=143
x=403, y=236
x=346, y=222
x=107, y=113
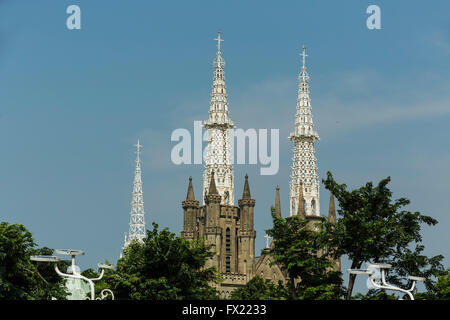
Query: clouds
x=440, y=39
x=348, y=117
x=341, y=103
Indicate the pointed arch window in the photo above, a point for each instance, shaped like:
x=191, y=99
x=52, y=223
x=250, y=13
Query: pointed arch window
x=228, y=241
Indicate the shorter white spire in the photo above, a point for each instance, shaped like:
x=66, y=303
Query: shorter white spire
x=137, y=220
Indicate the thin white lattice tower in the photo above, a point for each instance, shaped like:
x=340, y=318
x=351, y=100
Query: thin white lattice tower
x=304, y=167
x=137, y=220
x=218, y=153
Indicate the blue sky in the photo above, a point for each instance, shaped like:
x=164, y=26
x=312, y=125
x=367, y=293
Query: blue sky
x=73, y=103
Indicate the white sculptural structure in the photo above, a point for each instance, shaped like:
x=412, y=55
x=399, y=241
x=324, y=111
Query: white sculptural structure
x=75, y=286
x=377, y=278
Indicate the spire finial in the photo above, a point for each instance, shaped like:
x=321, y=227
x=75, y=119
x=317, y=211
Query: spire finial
x=219, y=62
x=277, y=203
x=190, y=192
x=332, y=210
x=304, y=75
x=219, y=40
x=246, y=193
x=138, y=147
x=304, y=55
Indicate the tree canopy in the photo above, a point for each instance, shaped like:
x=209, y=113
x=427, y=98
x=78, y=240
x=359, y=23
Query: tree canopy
x=20, y=278
x=440, y=289
x=373, y=227
x=163, y=267
x=299, y=249
x=258, y=289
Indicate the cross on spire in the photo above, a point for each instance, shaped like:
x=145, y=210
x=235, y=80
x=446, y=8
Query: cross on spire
x=304, y=55
x=219, y=40
x=138, y=146
x=267, y=240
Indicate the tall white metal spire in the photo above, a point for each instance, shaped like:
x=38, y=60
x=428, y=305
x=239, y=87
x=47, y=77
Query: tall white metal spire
x=304, y=167
x=218, y=154
x=137, y=221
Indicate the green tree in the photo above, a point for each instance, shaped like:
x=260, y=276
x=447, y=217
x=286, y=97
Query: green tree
x=258, y=289
x=375, y=295
x=164, y=267
x=374, y=228
x=299, y=250
x=50, y=284
x=21, y=279
x=439, y=291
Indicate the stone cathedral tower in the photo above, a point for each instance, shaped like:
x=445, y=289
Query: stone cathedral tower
x=227, y=227
x=304, y=169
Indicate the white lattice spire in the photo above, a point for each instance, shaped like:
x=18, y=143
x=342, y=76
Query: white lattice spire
x=304, y=168
x=218, y=155
x=137, y=221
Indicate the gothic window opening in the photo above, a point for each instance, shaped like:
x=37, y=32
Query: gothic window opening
x=227, y=264
x=228, y=241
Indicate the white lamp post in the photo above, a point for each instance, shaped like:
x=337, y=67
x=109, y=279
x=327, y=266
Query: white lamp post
x=377, y=278
x=74, y=271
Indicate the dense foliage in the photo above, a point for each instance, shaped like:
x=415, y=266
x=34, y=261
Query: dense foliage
x=299, y=249
x=164, y=266
x=20, y=278
x=374, y=228
x=258, y=289
x=440, y=289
